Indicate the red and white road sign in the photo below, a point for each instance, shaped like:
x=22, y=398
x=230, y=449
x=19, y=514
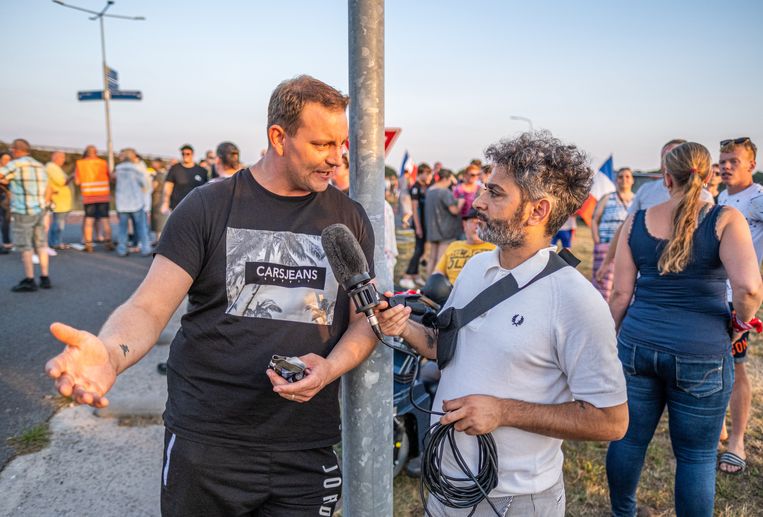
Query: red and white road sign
x=390, y=137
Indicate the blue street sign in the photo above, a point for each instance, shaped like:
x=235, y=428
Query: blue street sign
x=112, y=79
x=90, y=95
x=127, y=95
x=118, y=95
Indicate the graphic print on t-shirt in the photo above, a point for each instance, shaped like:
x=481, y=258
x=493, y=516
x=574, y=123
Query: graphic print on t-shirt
x=279, y=275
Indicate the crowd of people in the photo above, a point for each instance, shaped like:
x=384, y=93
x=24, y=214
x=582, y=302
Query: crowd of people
x=36, y=200
x=434, y=203
x=679, y=265
x=143, y=192
x=674, y=260
x=662, y=323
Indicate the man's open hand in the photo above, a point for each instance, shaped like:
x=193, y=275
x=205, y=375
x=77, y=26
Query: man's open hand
x=83, y=371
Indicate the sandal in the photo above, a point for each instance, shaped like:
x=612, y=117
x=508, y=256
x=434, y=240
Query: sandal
x=732, y=460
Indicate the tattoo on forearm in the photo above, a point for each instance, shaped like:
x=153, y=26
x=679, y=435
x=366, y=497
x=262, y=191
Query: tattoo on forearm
x=125, y=349
x=430, y=341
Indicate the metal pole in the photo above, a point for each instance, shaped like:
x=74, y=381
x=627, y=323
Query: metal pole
x=106, y=99
x=367, y=390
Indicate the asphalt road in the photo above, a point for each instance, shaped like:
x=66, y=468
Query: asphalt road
x=86, y=289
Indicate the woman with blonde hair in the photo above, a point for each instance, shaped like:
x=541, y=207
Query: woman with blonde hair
x=673, y=340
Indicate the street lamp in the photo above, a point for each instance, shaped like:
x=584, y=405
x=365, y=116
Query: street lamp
x=106, y=91
x=529, y=122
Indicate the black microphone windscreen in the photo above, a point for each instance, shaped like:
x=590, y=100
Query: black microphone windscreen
x=344, y=253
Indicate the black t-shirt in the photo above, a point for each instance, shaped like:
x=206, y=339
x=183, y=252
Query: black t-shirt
x=185, y=179
x=261, y=286
x=419, y=193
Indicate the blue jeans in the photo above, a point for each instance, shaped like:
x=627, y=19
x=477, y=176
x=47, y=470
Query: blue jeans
x=140, y=224
x=565, y=236
x=696, y=391
x=57, y=225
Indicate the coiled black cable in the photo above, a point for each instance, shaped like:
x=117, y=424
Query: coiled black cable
x=458, y=491
x=453, y=491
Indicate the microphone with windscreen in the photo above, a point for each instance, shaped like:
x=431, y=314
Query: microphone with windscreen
x=347, y=261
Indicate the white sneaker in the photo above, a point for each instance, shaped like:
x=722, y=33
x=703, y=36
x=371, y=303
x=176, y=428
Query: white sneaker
x=407, y=283
x=52, y=252
x=35, y=259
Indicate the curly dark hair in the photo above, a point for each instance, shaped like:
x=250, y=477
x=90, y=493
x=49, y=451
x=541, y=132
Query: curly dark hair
x=542, y=166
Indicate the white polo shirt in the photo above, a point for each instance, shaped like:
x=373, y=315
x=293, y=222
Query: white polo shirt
x=548, y=344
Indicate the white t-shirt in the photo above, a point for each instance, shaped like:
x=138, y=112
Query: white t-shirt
x=654, y=193
x=548, y=344
x=390, y=239
x=750, y=203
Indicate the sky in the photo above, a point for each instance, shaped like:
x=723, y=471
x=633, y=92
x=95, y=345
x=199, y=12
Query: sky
x=613, y=77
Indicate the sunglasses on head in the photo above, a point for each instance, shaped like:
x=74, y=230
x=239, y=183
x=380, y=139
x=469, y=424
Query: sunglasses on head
x=735, y=141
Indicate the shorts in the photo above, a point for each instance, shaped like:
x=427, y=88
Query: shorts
x=739, y=347
x=28, y=231
x=97, y=210
x=212, y=480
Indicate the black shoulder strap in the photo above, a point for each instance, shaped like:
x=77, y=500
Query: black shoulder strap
x=450, y=320
x=507, y=287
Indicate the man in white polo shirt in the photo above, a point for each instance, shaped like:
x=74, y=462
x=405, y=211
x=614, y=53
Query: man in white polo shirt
x=542, y=365
x=737, y=167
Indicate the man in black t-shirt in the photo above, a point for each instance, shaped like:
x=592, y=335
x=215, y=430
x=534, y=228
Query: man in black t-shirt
x=418, y=199
x=181, y=179
x=239, y=438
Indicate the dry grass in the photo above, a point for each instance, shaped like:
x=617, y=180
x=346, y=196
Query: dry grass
x=584, y=473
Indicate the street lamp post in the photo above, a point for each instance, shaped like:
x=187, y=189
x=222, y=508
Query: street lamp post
x=104, y=68
x=529, y=122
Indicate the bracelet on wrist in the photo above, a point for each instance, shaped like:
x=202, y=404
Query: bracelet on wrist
x=744, y=326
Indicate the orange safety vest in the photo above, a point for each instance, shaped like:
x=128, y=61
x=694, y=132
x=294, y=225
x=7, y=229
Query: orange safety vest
x=92, y=175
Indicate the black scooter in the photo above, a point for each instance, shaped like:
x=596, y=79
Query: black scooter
x=410, y=424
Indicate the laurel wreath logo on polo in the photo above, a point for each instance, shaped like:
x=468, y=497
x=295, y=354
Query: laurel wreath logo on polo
x=517, y=320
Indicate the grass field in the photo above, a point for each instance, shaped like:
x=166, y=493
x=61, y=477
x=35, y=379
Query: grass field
x=585, y=477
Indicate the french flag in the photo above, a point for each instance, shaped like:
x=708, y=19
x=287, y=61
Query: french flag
x=408, y=166
x=602, y=185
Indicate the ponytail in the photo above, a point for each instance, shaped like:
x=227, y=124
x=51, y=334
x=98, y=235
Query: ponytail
x=689, y=166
